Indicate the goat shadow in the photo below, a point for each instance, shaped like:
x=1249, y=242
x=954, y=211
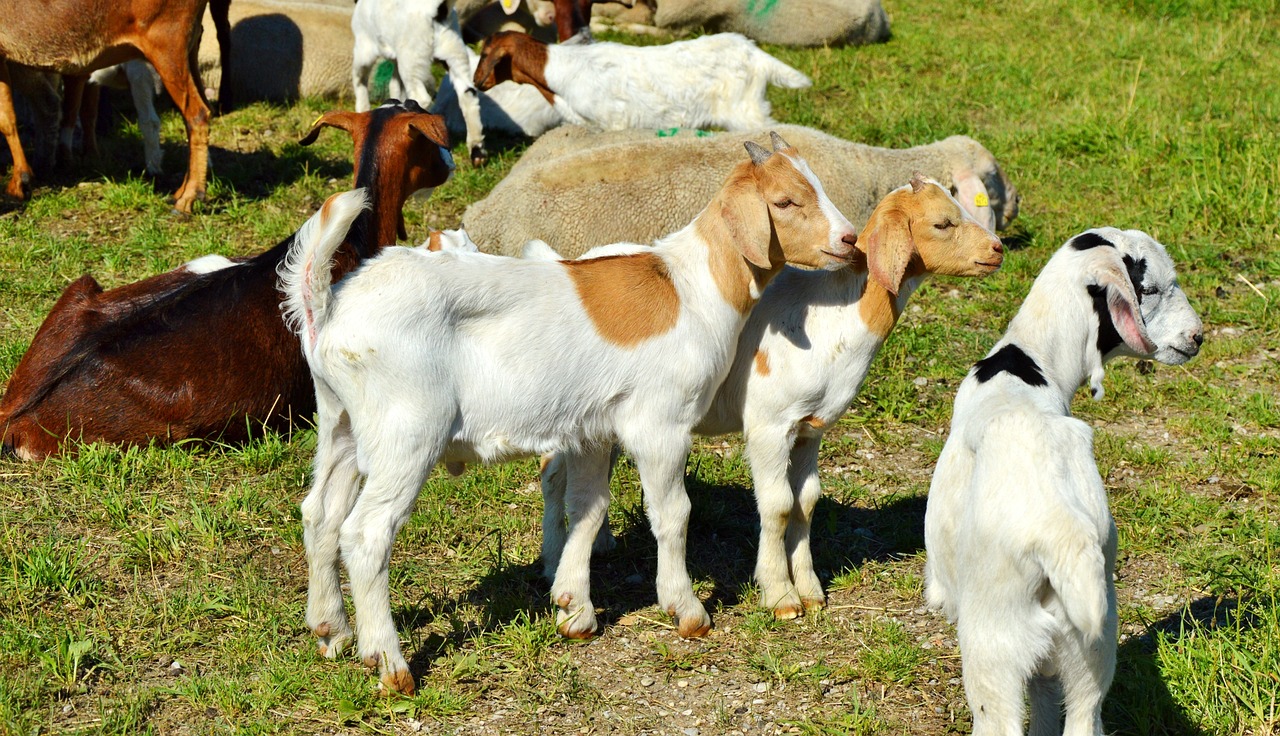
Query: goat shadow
x=724, y=529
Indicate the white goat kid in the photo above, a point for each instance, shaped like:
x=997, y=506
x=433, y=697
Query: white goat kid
x=1021, y=545
x=421, y=357
x=413, y=34
x=800, y=362
x=711, y=81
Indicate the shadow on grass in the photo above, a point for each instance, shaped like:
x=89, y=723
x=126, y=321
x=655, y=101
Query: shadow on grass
x=1139, y=702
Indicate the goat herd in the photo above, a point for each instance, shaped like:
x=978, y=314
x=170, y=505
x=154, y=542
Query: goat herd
x=413, y=356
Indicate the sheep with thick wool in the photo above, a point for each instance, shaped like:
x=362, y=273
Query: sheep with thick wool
x=420, y=357
x=1021, y=545
x=710, y=81
x=800, y=361
x=790, y=23
x=577, y=190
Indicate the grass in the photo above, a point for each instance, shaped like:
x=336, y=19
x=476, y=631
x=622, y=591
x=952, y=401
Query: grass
x=161, y=590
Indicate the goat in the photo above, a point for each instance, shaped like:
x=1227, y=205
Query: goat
x=800, y=362
x=201, y=351
x=1021, y=545
x=715, y=80
x=412, y=34
x=74, y=37
x=421, y=357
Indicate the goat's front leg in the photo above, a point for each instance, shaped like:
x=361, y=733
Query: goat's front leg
x=806, y=488
x=553, y=480
x=660, y=456
x=768, y=448
x=586, y=496
x=398, y=466
x=334, y=487
x=450, y=48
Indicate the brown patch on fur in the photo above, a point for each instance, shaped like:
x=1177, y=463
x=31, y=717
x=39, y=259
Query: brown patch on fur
x=511, y=56
x=628, y=298
x=433, y=240
x=879, y=309
x=762, y=362
x=814, y=422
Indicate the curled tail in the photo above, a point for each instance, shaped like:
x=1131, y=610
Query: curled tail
x=306, y=272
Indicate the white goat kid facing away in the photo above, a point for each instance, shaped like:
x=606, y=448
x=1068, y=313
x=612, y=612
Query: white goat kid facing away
x=1021, y=544
x=413, y=34
x=800, y=362
x=421, y=357
x=711, y=81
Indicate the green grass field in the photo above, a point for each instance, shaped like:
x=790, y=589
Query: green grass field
x=162, y=590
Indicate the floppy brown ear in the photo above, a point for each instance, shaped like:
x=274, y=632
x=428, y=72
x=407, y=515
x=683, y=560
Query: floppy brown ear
x=432, y=127
x=1122, y=303
x=889, y=246
x=337, y=119
x=491, y=55
x=746, y=215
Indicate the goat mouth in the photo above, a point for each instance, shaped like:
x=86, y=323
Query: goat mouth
x=991, y=266
x=1190, y=353
x=846, y=258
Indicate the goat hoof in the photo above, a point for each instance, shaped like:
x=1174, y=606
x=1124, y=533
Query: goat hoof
x=400, y=681
x=693, y=628
x=788, y=612
x=814, y=604
x=479, y=156
x=371, y=662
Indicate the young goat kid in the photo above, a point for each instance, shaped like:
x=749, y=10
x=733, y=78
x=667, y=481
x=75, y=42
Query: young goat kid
x=1021, y=545
x=423, y=357
x=201, y=351
x=709, y=81
x=801, y=360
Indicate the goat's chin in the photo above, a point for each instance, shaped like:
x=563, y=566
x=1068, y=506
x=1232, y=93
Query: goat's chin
x=1176, y=354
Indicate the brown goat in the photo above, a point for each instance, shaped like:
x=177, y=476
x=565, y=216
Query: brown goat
x=198, y=353
x=74, y=37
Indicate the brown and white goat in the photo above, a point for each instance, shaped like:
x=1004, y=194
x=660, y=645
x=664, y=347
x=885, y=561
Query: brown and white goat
x=202, y=351
x=74, y=37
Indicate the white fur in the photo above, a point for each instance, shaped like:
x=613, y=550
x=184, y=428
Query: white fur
x=1021, y=545
x=711, y=81
x=208, y=264
x=143, y=83
x=511, y=108
x=420, y=357
x=406, y=32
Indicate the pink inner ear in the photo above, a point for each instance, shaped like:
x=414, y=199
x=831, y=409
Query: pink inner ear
x=1131, y=330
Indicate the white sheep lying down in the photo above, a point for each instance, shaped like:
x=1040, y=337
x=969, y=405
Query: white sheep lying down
x=1021, y=545
x=577, y=190
x=710, y=81
x=800, y=362
x=421, y=356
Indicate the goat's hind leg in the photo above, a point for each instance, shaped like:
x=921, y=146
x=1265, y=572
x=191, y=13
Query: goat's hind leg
x=806, y=488
x=334, y=488
x=21, y=175
x=587, y=499
x=179, y=78
x=995, y=663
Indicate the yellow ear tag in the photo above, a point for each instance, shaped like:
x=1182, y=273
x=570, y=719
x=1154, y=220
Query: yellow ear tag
x=509, y=6
x=980, y=199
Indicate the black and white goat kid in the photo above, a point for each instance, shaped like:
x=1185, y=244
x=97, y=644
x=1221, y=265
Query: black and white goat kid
x=1021, y=544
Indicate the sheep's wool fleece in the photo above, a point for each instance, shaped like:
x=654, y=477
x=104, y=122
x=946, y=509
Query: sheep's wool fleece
x=576, y=189
x=786, y=22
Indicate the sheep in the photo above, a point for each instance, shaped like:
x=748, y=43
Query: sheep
x=412, y=34
x=73, y=37
x=782, y=399
x=420, y=357
x=715, y=80
x=791, y=23
x=201, y=351
x=1021, y=546
x=578, y=190
x=510, y=108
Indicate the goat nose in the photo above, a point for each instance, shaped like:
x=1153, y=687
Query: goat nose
x=998, y=247
x=850, y=240
x=1198, y=338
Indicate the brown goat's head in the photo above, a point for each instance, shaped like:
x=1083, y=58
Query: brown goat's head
x=512, y=56
x=399, y=149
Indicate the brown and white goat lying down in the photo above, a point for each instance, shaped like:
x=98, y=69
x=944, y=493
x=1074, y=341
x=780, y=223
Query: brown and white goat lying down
x=460, y=357
x=201, y=351
x=800, y=362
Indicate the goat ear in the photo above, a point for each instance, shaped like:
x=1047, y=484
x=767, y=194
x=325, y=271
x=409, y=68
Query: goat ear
x=337, y=119
x=889, y=246
x=1122, y=304
x=432, y=127
x=972, y=195
x=746, y=215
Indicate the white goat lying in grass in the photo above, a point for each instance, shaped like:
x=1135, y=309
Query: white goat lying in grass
x=711, y=81
x=422, y=356
x=413, y=34
x=1021, y=545
x=800, y=362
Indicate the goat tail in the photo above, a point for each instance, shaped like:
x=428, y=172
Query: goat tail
x=306, y=273
x=780, y=74
x=1078, y=577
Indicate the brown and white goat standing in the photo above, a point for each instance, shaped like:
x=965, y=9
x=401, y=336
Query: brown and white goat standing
x=202, y=351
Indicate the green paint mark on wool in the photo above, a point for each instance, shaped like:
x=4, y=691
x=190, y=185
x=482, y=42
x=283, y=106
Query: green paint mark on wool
x=378, y=88
x=761, y=8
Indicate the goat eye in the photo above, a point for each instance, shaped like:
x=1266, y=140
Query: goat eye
x=1150, y=290
x=784, y=204
x=944, y=224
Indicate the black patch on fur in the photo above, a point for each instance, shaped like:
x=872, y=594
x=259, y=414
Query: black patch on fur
x=442, y=12
x=1013, y=360
x=1108, y=335
x=1085, y=241
x=1137, y=271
